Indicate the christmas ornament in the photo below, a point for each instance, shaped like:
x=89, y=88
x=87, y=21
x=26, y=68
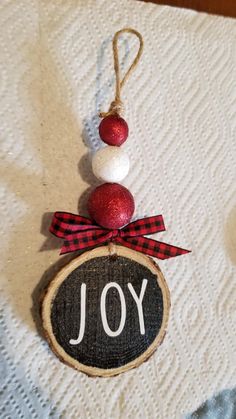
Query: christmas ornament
x=107, y=310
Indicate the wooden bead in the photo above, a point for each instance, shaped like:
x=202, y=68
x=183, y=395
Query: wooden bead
x=111, y=205
x=110, y=164
x=113, y=130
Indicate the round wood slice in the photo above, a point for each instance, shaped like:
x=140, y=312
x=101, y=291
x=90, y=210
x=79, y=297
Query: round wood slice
x=137, y=328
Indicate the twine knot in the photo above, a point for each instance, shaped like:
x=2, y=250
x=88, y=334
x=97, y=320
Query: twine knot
x=116, y=108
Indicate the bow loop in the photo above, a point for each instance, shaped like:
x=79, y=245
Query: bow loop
x=144, y=226
x=80, y=233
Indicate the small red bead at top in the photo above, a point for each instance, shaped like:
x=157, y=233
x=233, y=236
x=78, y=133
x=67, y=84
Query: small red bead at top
x=111, y=205
x=113, y=130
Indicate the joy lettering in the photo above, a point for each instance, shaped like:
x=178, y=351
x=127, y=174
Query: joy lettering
x=112, y=333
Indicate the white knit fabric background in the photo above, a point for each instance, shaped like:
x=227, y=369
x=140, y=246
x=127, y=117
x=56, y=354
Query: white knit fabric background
x=56, y=74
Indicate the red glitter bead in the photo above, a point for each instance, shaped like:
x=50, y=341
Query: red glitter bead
x=111, y=205
x=113, y=130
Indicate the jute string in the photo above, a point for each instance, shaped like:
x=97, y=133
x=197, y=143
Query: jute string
x=116, y=106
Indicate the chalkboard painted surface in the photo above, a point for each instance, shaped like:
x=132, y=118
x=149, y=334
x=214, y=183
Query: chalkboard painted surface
x=104, y=314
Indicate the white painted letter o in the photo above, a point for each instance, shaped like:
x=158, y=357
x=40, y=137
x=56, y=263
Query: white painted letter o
x=107, y=329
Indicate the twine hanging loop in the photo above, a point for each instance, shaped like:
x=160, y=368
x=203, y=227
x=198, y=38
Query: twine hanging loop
x=116, y=105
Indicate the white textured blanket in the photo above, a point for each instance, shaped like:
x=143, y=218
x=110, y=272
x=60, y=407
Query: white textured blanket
x=56, y=74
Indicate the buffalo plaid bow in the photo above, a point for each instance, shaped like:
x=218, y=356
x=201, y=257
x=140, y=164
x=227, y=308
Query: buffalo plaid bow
x=81, y=233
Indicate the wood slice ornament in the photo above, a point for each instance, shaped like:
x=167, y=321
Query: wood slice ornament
x=105, y=313
x=107, y=310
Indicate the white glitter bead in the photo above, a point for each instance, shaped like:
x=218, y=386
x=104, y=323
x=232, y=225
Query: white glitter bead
x=110, y=164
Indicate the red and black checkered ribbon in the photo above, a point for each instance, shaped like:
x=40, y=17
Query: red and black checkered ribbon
x=81, y=233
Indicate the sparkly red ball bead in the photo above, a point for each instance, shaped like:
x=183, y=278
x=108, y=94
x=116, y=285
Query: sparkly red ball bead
x=111, y=205
x=113, y=130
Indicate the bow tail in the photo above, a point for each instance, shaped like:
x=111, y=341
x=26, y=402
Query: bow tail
x=152, y=247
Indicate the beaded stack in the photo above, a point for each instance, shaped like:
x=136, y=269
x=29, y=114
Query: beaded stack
x=111, y=205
